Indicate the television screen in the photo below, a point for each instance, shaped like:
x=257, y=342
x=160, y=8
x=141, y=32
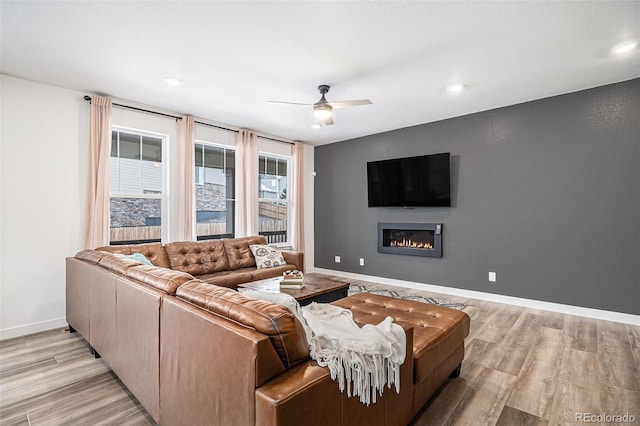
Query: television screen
x=422, y=181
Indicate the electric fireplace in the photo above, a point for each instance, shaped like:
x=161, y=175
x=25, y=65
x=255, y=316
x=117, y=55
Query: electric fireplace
x=410, y=239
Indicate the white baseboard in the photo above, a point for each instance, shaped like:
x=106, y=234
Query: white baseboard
x=498, y=298
x=23, y=330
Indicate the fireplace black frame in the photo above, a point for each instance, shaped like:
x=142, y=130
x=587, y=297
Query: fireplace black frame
x=437, y=239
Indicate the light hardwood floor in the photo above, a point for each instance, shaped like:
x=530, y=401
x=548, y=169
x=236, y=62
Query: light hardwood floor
x=522, y=367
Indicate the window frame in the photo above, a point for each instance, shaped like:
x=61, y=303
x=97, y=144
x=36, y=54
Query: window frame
x=287, y=201
x=196, y=184
x=163, y=196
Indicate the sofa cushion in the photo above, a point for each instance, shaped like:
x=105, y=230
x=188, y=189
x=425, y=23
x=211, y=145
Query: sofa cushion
x=117, y=262
x=263, y=274
x=152, y=251
x=239, y=253
x=93, y=256
x=229, y=279
x=284, y=331
x=163, y=279
x=266, y=256
x=197, y=257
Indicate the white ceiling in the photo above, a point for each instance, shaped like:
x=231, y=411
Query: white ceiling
x=235, y=56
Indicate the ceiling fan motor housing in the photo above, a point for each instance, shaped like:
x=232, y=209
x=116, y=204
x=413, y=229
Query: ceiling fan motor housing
x=322, y=109
x=323, y=89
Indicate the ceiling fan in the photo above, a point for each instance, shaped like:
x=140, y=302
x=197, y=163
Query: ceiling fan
x=323, y=109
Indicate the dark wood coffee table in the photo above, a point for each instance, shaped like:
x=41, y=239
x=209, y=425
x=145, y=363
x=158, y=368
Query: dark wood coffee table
x=316, y=289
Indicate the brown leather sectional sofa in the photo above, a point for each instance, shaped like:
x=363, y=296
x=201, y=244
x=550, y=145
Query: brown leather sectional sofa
x=195, y=353
x=226, y=263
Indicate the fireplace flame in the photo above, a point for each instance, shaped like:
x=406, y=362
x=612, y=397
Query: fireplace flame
x=409, y=243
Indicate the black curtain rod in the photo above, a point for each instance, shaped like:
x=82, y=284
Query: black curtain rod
x=177, y=117
x=88, y=98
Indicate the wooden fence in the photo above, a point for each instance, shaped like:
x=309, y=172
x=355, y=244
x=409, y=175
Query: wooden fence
x=272, y=210
x=136, y=233
x=267, y=227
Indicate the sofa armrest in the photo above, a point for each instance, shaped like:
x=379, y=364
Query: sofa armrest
x=294, y=258
x=305, y=391
x=308, y=392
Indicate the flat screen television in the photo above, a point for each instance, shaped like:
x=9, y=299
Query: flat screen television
x=423, y=181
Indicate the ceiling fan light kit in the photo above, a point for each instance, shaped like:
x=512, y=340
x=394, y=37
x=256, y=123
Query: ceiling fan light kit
x=323, y=109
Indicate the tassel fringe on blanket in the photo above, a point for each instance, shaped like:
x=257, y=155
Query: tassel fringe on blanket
x=363, y=360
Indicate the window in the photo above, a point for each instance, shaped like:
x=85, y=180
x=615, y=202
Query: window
x=273, y=201
x=215, y=191
x=136, y=187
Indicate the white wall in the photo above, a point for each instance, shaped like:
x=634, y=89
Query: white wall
x=42, y=167
x=43, y=164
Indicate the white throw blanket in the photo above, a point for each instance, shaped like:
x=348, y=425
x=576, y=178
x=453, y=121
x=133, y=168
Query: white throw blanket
x=365, y=359
x=362, y=360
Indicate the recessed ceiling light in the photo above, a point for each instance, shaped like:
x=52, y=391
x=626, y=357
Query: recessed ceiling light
x=624, y=47
x=315, y=126
x=455, y=88
x=171, y=81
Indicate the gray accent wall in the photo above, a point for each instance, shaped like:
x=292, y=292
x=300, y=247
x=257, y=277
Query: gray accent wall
x=545, y=193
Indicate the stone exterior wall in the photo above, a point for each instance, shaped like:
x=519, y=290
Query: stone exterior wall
x=128, y=212
x=210, y=197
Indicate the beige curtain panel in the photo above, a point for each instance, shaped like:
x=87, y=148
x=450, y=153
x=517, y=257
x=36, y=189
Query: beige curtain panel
x=96, y=220
x=297, y=206
x=246, y=184
x=186, y=203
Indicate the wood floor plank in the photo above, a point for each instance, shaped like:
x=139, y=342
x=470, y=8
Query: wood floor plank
x=512, y=417
x=11, y=345
x=570, y=401
x=443, y=405
x=27, y=386
x=484, y=402
x=579, y=387
x=484, y=353
x=20, y=419
x=497, y=323
x=580, y=368
x=36, y=353
x=535, y=388
x=620, y=401
x=634, y=341
x=71, y=387
x=517, y=344
x=554, y=320
x=618, y=367
x=581, y=333
x=52, y=396
x=105, y=408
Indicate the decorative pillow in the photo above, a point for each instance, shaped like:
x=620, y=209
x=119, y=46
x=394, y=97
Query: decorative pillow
x=139, y=257
x=267, y=256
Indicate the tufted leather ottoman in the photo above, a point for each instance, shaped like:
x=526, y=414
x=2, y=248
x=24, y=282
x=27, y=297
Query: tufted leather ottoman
x=438, y=336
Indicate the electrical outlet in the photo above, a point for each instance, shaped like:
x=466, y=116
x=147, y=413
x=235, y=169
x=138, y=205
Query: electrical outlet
x=337, y=259
x=362, y=261
x=492, y=277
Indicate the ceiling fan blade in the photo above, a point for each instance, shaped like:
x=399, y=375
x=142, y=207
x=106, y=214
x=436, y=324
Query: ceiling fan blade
x=344, y=104
x=328, y=121
x=288, y=103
